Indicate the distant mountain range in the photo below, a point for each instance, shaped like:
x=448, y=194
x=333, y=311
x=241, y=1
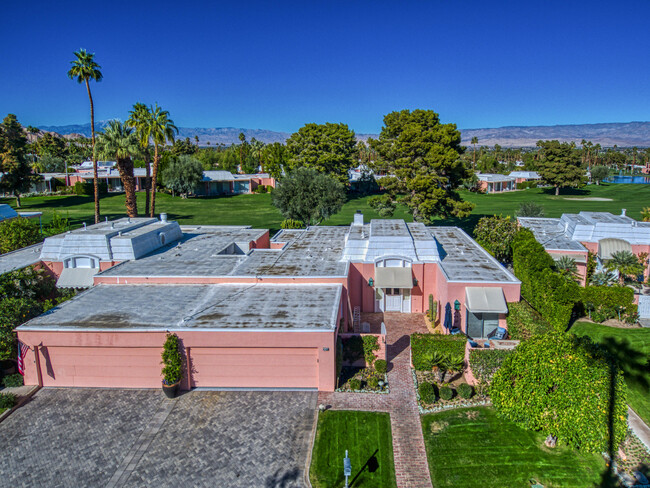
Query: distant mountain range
x=628, y=134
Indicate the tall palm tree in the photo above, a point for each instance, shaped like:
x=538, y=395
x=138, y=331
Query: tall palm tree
x=257, y=151
x=626, y=263
x=161, y=130
x=140, y=120
x=84, y=68
x=119, y=142
x=474, y=143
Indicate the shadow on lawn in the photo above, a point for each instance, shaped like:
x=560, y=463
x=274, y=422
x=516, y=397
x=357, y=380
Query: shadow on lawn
x=635, y=368
x=371, y=465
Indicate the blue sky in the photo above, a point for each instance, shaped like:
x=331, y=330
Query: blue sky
x=278, y=65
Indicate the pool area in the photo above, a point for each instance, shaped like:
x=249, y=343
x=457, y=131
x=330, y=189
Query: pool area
x=635, y=180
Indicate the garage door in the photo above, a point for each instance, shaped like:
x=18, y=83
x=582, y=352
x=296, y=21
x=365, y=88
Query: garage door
x=254, y=367
x=120, y=367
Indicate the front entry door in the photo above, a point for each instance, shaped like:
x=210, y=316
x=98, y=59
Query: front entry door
x=393, y=299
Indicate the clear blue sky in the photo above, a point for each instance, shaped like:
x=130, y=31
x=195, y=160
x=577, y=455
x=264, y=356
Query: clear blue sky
x=278, y=65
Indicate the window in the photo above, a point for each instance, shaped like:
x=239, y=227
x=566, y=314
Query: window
x=482, y=325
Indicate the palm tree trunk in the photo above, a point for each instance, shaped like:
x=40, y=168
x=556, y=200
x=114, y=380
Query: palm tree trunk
x=153, y=180
x=125, y=167
x=557, y=190
x=92, y=131
x=147, y=183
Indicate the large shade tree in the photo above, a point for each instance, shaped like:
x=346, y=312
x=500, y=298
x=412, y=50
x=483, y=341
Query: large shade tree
x=119, y=142
x=422, y=157
x=14, y=167
x=560, y=165
x=328, y=148
x=84, y=68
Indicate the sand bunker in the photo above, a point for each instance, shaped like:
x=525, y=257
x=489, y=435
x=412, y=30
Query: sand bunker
x=590, y=199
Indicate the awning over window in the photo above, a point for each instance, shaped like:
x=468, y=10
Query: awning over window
x=76, y=278
x=480, y=299
x=393, y=277
x=607, y=247
x=578, y=258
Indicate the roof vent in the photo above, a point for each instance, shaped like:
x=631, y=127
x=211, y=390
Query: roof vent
x=623, y=212
x=358, y=218
x=112, y=225
x=163, y=217
x=84, y=225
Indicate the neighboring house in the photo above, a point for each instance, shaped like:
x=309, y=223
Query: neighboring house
x=602, y=233
x=251, y=312
x=226, y=183
x=87, y=166
x=111, y=177
x=495, y=183
x=522, y=176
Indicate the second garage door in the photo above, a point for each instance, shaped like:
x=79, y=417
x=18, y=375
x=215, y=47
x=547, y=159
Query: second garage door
x=256, y=367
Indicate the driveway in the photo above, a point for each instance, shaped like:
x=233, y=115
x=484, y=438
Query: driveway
x=104, y=437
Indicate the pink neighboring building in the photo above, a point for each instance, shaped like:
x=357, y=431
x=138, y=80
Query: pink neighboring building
x=495, y=183
x=250, y=311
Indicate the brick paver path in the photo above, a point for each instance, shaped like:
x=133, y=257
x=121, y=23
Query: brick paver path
x=411, y=467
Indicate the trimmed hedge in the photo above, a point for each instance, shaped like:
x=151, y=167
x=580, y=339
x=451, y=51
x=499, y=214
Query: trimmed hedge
x=88, y=189
x=546, y=290
x=561, y=385
x=526, y=184
x=484, y=363
x=446, y=393
x=465, y=391
x=427, y=392
x=423, y=345
x=603, y=302
x=381, y=366
x=525, y=322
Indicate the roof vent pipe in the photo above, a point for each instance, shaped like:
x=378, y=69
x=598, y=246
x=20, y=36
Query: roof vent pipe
x=163, y=217
x=112, y=225
x=623, y=212
x=84, y=225
x=358, y=218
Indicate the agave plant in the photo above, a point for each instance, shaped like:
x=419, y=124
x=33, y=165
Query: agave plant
x=602, y=278
x=567, y=267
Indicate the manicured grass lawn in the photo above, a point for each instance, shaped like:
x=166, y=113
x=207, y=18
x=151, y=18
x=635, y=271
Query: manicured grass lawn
x=257, y=210
x=366, y=436
x=473, y=447
x=632, y=348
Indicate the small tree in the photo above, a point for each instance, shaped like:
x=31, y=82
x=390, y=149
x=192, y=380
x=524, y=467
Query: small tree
x=183, y=174
x=496, y=235
x=308, y=196
x=16, y=172
x=530, y=209
x=566, y=387
x=560, y=165
x=18, y=233
x=172, y=360
x=599, y=173
x=383, y=204
x=626, y=263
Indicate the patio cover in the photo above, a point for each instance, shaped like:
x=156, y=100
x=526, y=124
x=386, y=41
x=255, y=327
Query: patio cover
x=607, y=247
x=76, y=278
x=480, y=299
x=578, y=258
x=393, y=277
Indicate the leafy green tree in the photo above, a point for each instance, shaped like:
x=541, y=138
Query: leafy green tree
x=328, y=148
x=140, y=120
x=276, y=157
x=49, y=164
x=566, y=387
x=530, y=209
x=496, y=235
x=58, y=225
x=383, y=204
x=626, y=263
x=119, y=142
x=16, y=173
x=18, y=233
x=599, y=173
x=560, y=165
x=51, y=145
x=182, y=174
x=183, y=146
x=309, y=196
x=422, y=157
x=84, y=68
x=645, y=214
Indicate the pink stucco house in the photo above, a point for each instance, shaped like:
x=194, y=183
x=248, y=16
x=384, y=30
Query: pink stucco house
x=251, y=312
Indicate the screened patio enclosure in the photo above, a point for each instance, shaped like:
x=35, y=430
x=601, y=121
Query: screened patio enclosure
x=484, y=306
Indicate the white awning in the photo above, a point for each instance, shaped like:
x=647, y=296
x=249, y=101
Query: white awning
x=607, y=247
x=393, y=277
x=480, y=299
x=76, y=277
x=578, y=258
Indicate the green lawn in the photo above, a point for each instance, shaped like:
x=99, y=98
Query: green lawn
x=473, y=447
x=366, y=436
x=256, y=209
x=632, y=347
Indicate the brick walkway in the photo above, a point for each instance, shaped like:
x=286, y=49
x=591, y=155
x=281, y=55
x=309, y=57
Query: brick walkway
x=411, y=467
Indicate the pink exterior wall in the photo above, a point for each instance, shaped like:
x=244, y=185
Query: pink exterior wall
x=132, y=359
x=636, y=249
x=582, y=267
x=56, y=267
x=263, y=242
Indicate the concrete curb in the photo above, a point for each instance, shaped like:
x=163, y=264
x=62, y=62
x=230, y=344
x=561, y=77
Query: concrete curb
x=311, y=448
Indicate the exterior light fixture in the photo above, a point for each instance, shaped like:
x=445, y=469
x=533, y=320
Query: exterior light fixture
x=415, y=282
x=456, y=305
x=371, y=282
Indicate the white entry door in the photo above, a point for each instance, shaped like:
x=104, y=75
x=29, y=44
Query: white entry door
x=393, y=299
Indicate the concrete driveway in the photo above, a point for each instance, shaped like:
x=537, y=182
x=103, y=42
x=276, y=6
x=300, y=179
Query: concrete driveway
x=97, y=437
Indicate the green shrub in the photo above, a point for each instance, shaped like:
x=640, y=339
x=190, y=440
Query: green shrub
x=83, y=188
x=261, y=189
x=373, y=382
x=484, y=363
x=355, y=384
x=172, y=360
x=370, y=345
x=18, y=233
x=526, y=184
x=446, y=393
x=495, y=234
x=427, y=392
x=292, y=224
x=381, y=366
x=7, y=400
x=425, y=346
x=13, y=380
x=465, y=391
x=604, y=302
x=525, y=322
x=561, y=385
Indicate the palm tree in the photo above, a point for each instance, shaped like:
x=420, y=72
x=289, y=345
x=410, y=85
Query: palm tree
x=645, y=214
x=626, y=264
x=161, y=130
x=257, y=150
x=84, y=69
x=140, y=120
x=196, y=139
x=474, y=143
x=119, y=142
x=567, y=267
x=602, y=278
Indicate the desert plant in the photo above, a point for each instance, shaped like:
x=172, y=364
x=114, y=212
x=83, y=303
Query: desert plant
x=355, y=384
x=381, y=366
x=465, y=391
x=172, y=360
x=433, y=309
x=446, y=393
x=427, y=392
x=13, y=380
x=530, y=209
x=373, y=382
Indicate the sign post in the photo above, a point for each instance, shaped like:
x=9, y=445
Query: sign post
x=347, y=468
